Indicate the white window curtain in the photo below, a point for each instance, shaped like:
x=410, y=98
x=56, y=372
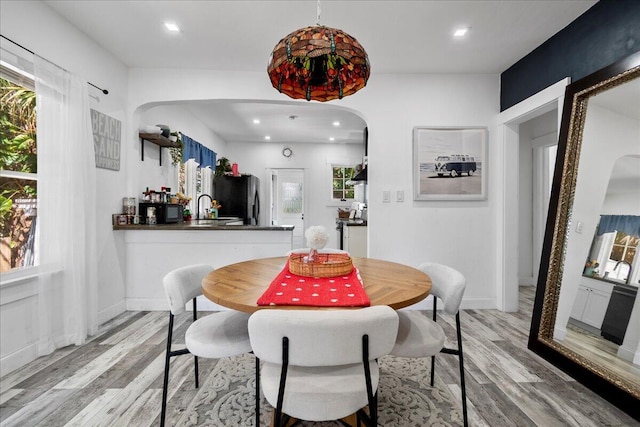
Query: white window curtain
x=67, y=301
x=206, y=181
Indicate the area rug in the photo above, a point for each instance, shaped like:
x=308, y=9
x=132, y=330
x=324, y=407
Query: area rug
x=226, y=397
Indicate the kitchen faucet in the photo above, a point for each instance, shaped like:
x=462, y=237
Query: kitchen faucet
x=198, y=204
x=628, y=279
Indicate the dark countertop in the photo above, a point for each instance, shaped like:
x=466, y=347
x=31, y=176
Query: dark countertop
x=203, y=225
x=352, y=222
x=613, y=282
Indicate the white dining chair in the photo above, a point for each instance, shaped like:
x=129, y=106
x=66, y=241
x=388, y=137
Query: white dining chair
x=217, y=335
x=320, y=365
x=419, y=336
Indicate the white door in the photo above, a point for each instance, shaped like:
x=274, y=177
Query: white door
x=287, y=195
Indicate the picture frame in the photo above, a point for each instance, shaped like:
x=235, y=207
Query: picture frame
x=449, y=163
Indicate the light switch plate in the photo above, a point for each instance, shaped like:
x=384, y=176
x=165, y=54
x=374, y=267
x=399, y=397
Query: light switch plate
x=400, y=196
x=386, y=196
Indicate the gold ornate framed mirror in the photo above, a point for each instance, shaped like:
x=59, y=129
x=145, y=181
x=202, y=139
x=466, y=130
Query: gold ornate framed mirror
x=600, y=128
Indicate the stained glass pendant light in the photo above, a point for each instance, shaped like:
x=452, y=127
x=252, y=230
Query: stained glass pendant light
x=318, y=63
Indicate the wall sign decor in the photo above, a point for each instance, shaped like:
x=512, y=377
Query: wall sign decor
x=107, y=134
x=449, y=163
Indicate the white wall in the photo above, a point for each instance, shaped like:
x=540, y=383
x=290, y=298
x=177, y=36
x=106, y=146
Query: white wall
x=148, y=173
x=33, y=25
x=461, y=234
x=315, y=159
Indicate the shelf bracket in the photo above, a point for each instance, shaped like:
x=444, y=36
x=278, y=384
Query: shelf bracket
x=142, y=151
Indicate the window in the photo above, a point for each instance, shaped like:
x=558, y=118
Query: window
x=622, y=254
x=18, y=170
x=340, y=177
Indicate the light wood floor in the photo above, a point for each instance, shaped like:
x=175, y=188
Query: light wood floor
x=507, y=385
x=601, y=351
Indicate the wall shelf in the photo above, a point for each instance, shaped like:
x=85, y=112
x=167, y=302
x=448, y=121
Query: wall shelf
x=159, y=140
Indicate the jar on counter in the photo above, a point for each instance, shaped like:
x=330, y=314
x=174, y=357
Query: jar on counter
x=128, y=205
x=151, y=216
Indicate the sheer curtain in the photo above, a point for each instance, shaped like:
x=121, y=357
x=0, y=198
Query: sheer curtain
x=67, y=209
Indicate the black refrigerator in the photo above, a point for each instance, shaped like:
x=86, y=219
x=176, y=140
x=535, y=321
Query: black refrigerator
x=238, y=196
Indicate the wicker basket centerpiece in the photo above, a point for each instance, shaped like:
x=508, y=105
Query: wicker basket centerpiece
x=324, y=265
x=315, y=264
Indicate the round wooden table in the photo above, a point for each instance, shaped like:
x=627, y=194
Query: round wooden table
x=238, y=286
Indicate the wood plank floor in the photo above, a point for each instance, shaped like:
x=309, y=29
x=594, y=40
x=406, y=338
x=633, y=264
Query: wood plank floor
x=116, y=378
x=601, y=351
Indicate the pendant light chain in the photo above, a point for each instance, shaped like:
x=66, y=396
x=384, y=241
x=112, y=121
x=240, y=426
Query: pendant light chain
x=318, y=13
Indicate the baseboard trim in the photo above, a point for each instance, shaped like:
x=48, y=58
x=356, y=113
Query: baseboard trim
x=112, y=311
x=147, y=304
x=628, y=354
x=18, y=359
x=160, y=304
x=467, y=304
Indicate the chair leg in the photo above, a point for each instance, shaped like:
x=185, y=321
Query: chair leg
x=195, y=358
x=433, y=358
x=280, y=418
x=433, y=369
x=165, y=382
x=461, y=359
x=257, y=392
x=195, y=362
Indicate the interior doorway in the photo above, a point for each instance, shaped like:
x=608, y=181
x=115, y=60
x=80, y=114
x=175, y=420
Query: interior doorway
x=509, y=220
x=538, y=144
x=287, y=202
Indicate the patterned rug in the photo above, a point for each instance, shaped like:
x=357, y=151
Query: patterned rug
x=405, y=398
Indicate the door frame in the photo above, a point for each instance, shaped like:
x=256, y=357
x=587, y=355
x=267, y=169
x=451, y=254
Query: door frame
x=508, y=154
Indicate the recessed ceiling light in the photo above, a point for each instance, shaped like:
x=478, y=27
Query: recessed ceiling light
x=336, y=123
x=256, y=121
x=460, y=32
x=267, y=137
x=332, y=139
x=172, y=27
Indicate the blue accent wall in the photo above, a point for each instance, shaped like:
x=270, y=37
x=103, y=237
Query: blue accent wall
x=604, y=34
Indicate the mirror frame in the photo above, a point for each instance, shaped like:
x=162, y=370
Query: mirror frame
x=599, y=379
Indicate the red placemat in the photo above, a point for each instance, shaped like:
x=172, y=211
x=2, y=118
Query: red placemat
x=290, y=289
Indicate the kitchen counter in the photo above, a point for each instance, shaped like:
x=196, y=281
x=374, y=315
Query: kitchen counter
x=351, y=222
x=612, y=281
x=151, y=251
x=203, y=225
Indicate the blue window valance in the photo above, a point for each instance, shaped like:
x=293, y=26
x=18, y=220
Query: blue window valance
x=192, y=149
x=628, y=224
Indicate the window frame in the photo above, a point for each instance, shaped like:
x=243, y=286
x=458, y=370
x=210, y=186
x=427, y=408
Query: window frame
x=344, y=179
x=21, y=76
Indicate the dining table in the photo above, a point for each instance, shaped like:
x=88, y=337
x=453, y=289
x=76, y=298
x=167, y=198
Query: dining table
x=239, y=286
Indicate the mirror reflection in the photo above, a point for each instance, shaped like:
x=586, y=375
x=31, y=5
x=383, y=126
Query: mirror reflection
x=598, y=312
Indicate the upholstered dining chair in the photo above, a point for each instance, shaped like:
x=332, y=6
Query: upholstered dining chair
x=320, y=365
x=217, y=335
x=419, y=336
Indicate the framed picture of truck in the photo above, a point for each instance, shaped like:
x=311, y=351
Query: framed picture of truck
x=449, y=163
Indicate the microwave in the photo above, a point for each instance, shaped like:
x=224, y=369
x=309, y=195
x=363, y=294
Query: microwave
x=166, y=213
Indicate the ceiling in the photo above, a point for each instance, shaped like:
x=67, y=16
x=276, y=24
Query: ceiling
x=399, y=37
